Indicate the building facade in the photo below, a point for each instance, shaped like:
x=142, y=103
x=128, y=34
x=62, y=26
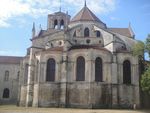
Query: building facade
x=9, y=79
x=80, y=62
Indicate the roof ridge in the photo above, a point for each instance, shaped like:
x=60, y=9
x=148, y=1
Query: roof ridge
x=90, y=12
x=85, y=14
x=83, y=11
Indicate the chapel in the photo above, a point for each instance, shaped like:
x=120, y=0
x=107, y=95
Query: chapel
x=80, y=62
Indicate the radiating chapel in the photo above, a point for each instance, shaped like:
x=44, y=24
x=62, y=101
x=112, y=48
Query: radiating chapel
x=80, y=62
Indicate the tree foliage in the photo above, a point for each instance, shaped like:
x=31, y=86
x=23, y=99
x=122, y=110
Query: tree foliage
x=140, y=49
x=145, y=81
x=147, y=45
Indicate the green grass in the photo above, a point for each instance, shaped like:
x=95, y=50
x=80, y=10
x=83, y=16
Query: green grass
x=15, y=109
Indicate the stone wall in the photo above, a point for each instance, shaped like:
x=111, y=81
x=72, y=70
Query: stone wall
x=11, y=83
x=23, y=95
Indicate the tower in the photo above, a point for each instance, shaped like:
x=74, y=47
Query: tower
x=58, y=20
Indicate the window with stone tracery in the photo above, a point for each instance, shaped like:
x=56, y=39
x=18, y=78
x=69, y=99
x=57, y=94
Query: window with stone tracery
x=86, y=32
x=98, y=70
x=6, y=93
x=55, y=24
x=62, y=24
x=80, y=69
x=6, y=78
x=50, y=72
x=26, y=74
x=98, y=34
x=126, y=72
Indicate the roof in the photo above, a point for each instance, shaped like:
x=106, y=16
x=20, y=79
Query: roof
x=45, y=32
x=10, y=59
x=88, y=47
x=85, y=15
x=77, y=47
x=55, y=49
x=121, y=31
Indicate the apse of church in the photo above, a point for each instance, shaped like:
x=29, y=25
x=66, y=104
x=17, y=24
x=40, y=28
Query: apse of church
x=80, y=62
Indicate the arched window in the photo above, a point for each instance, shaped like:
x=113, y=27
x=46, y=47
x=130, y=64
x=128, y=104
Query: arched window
x=80, y=69
x=50, y=75
x=126, y=72
x=6, y=93
x=98, y=70
x=86, y=32
x=55, y=24
x=26, y=74
x=62, y=24
x=74, y=34
x=98, y=34
x=18, y=75
x=6, y=78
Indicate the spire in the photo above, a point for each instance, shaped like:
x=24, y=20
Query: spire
x=85, y=3
x=66, y=20
x=131, y=31
x=60, y=6
x=33, y=30
x=129, y=25
x=40, y=27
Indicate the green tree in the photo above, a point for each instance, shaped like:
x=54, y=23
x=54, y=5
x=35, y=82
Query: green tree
x=147, y=45
x=140, y=49
x=145, y=81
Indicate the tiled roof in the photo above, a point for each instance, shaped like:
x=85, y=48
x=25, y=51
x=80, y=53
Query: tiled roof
x=87, y=47
x=55, y=49
x=10, y=59
x=77, y=47
x=46, y=32
x=85, y=15
x=121, y=31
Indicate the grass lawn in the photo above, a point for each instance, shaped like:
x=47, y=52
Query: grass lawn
x=14, y=109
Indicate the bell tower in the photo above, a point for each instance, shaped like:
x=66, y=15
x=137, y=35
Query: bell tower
x=58, y=20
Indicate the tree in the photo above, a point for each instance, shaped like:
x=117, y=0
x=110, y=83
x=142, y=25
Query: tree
x=147, y=45
x=140, y=49
x=145, y=81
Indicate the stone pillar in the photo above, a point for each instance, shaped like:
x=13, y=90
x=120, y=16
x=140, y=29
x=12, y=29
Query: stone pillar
x=29, y=98
x=89, y=78
x=36, y=86
x=58, y=21
x=63, y=81
x=136, y=95
x=115, y=82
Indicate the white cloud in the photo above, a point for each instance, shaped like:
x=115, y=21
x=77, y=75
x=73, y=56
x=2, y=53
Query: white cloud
x=114, y=18
x=13, y=8
x=97, y=6
x=36, y=8
x=102, y=6
x=4, y=24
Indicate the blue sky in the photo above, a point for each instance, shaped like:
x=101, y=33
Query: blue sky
x=17, y=17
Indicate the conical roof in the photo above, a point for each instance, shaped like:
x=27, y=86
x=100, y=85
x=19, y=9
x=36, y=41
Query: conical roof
x=85, y=15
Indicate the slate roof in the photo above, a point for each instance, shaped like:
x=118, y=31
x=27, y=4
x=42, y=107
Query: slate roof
x=85, y=15
x=45, y=32
x=55, y=49
x=121, y=31
x=87, y=47
x=10, y=59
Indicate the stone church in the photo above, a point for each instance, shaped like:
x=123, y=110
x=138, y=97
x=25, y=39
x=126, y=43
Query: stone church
x=79, y=62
